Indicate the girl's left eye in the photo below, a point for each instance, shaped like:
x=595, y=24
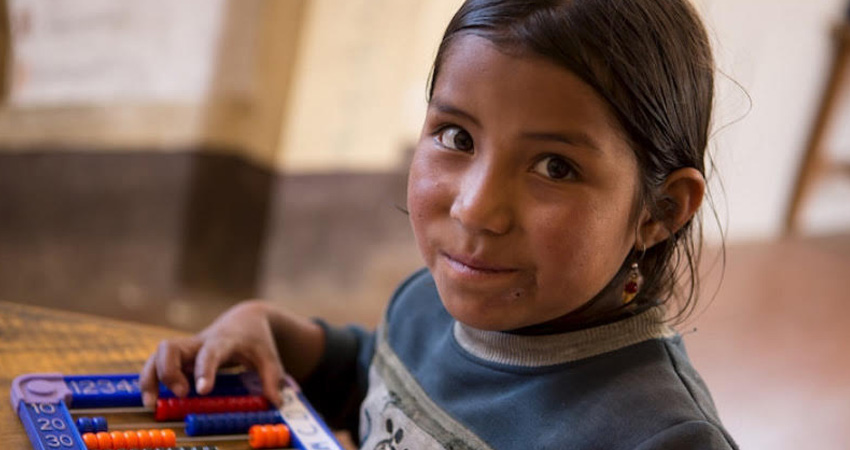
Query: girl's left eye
x=556, y=168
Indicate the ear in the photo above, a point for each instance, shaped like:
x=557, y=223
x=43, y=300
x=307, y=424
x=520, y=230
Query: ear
x=681, y=197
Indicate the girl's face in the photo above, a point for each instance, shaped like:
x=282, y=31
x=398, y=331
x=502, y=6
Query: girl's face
x=521, y=189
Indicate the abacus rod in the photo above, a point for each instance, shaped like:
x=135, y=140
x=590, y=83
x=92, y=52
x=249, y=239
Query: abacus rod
x=124, y=410
x=136, y=426
x=214, y=438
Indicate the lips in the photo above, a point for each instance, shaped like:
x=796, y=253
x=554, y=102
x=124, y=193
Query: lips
x=470, y=264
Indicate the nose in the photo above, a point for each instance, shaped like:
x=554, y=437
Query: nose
x=483, y=203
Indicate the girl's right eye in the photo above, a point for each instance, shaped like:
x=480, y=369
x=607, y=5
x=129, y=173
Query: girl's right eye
x=455, y=138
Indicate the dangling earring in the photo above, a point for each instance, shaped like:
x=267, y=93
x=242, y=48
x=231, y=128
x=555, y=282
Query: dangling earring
x=633, y=283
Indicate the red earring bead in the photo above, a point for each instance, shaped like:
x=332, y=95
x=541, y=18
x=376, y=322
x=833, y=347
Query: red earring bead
x=632, y=285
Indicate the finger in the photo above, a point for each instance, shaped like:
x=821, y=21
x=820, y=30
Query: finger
x=171, y=356
x=271, y=374
x=149, y=383
x=209, y=359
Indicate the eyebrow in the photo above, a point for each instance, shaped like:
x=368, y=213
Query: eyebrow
x=446, y=108
x=573, y=138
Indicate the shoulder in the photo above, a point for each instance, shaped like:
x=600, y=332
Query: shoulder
x=671, y=392
x=643, y=396
x=707, y=428
x=696, y=434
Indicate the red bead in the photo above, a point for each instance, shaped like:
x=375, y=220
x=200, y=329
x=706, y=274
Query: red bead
x=177, y=408
x=631, y=287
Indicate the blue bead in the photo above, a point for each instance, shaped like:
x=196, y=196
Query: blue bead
x=228, y=423
x=99, y=424
x=91, y=424
x=85, y=425
x=192, y=425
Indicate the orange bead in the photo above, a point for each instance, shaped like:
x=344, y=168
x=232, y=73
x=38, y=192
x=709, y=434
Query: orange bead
x=156, y=438
x=90, y=439
x=131, y=439
x=257, y=436
x=144, y=439
x=104, y=440
x=268, y=436
x=169, y=438
x=118, y=440
x=281, y=432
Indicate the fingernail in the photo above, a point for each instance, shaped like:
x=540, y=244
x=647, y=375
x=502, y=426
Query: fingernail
x=148, y=399
x=202, y=385
x=180, y=390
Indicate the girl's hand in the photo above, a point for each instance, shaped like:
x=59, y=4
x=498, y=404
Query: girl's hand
x=251, y=334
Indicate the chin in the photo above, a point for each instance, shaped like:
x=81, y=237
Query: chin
x=483, y=318
x=493, y=310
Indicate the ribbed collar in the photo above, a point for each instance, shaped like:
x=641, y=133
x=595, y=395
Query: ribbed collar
x=538, y=351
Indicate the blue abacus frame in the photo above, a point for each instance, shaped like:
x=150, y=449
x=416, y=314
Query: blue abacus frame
x=42, y=402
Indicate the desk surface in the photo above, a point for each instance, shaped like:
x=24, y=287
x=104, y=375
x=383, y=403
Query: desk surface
x=44, y=340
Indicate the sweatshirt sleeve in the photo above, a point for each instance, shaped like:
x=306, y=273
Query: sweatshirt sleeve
x=338, y=385
x=696, y=435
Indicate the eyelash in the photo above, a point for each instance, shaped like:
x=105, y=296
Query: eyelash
x=439, y=136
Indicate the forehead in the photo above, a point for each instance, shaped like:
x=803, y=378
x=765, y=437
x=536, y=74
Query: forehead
x=519, y=86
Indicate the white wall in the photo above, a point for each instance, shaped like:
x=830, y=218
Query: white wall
x=104, y=52
x=359, y=92
x=780, y=51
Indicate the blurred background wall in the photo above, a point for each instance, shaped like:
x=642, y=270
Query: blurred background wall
x=190, y=152
x=781, y=53
x=161, y=160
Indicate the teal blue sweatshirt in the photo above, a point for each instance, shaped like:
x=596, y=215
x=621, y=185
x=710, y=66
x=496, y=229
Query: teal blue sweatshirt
x=426, y=381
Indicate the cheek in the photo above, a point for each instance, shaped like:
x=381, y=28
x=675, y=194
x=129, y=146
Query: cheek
x=427, y=196
x=581, y=249
x=419, y=193
x=562, y=245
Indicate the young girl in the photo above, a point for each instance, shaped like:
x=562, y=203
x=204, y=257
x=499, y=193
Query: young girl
x=551, y=195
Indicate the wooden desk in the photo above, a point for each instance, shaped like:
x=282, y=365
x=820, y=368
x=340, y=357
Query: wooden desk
x=44, y=340
x=38, y=340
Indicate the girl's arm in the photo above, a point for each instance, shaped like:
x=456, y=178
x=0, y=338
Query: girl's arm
x=253, y=334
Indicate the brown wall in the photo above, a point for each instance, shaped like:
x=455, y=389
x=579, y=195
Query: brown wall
x=173, y=238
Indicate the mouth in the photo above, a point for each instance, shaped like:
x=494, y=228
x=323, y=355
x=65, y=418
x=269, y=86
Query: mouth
x=473, y=266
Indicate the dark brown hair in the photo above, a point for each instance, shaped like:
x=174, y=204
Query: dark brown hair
x=651, y=61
